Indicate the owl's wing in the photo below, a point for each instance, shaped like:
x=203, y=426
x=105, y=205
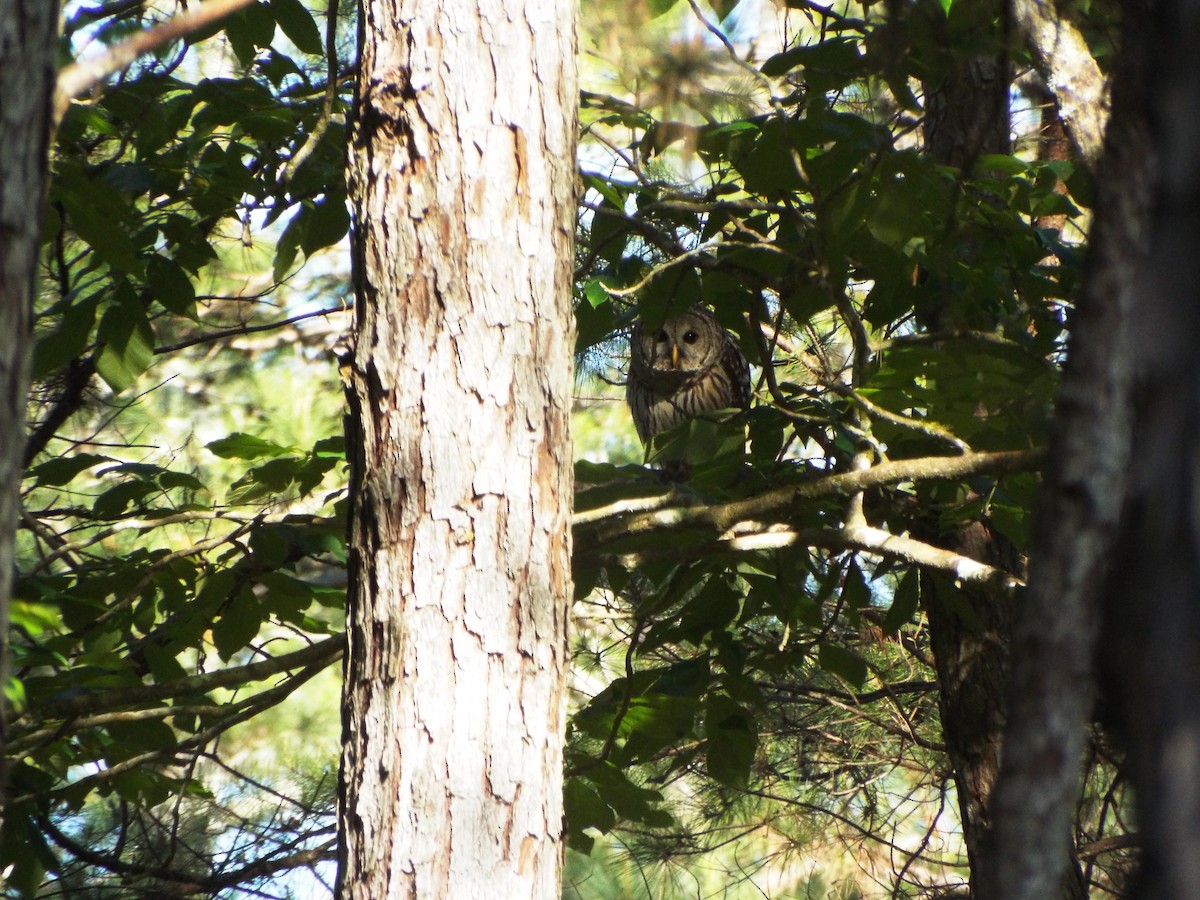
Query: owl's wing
x=737, y=370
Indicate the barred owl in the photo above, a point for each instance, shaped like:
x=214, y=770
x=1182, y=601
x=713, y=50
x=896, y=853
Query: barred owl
x=689, y=366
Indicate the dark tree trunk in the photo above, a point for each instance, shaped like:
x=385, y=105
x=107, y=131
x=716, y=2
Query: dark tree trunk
x=966, y=117
x=1150, y=637
x=1052, y=696
x=28, y=36
x=970, y=631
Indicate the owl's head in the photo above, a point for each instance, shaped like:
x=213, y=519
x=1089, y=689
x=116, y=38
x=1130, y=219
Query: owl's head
x=691, y=342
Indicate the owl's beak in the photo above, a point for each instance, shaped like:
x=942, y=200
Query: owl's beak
x=674, y=355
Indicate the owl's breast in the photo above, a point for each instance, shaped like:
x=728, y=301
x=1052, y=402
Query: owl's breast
x=670, y=381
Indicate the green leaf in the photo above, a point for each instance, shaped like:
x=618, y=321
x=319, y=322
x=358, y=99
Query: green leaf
x=142, y=786
x=715, y=607
x=594, y=322
x=653, y=722
x=249, y=29
x=288, y=247
x=732, y=741
x=1001, y=164
x=185, y=480
x=844, y=663
x=327, y=222
x=827, y=64
x=278, y=66
x=69, y=340
x=170, y=285
x=100, y=214
x=238, y=624
x=312, y=472
x=240, y=445
x=297, y=23
x=127, y=342
x=164, y=665
x=331, y=446
x=771, y=167
x=585, y=808
x=273, y=477
x=626, y=798
x=137, y=736
x=270, y=545
x=24, y=853
x=610, y=232
x=610, y=192
x=62, y=470
x=286, y=597
x=855, y=592
x=904, y=602
x=715, y=443
x=595, y=294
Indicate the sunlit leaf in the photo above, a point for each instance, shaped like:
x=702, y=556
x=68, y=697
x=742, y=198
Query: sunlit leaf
x=297, y=23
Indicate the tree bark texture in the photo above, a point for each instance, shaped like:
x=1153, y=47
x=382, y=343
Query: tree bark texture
x=28, y=35
x=1052, y=698
x=966, y=116
x=1150, y=633
x=1065, y=64
x=970, y=631
x=966, y=102
x=462, y=178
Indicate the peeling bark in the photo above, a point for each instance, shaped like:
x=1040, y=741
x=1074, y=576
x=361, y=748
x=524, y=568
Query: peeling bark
x=462, y=172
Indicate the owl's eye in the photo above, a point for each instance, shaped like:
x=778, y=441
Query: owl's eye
x=690, y=337
x=661, y=337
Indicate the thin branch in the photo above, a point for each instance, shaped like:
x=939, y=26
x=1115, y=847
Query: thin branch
x=319, y=654
x=331, y=81
x=28, y=742
x=924, y=426
x=860, y=537
x=84, y=75
x=250, y=329
x=131, y=597
x=248, y=709
x=776, y=504
x=194, y=882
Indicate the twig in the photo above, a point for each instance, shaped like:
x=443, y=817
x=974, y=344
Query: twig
x=319, y=654
x=250, y=329
x=314, y=137
x=84, y=75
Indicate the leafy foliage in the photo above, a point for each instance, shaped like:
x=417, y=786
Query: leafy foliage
x=163, y=592
x=899, y=313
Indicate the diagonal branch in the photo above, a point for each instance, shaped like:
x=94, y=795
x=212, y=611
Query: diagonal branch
x=318, y=654
x=591, y=536
x=748, y=537
x=80, y=77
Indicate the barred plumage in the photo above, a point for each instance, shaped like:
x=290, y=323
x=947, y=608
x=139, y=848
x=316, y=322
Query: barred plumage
x=689, y=366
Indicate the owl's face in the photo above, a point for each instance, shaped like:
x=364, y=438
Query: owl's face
x=687, y=343
x=688, y=366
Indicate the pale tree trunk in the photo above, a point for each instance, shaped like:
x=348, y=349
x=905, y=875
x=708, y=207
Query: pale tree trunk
x=462, y=178
x=28, y=32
